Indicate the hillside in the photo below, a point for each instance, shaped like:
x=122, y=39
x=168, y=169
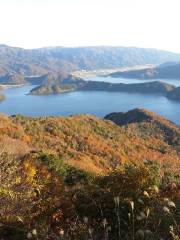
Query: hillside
x=12, y=79
x=174, y=94
x=92, y=143
x=49, y=78
x=60, y=174
x=164, y=71
x=44, y=60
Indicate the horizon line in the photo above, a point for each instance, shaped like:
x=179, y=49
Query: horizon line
x=88, y=46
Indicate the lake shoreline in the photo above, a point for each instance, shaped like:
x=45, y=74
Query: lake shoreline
x=4, y=86
x=84, y=102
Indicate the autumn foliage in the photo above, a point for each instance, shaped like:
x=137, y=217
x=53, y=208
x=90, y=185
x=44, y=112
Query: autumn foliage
x=81, y=177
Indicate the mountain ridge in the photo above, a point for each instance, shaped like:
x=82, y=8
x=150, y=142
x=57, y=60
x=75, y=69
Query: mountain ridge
x=43, y=60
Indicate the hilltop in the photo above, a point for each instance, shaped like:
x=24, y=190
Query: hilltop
x=138, y=115
x=157, y=124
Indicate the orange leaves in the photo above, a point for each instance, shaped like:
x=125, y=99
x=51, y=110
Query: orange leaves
x=85, y=138
x=57, y=216
x=30, y=171
x=26, y=138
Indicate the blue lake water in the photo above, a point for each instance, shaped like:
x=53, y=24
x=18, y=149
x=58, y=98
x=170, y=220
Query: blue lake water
x=97, y=103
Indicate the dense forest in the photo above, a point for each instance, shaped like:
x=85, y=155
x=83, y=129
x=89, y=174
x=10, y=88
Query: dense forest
x=81, y=177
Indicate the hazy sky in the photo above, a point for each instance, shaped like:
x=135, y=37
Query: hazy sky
x=142, y=23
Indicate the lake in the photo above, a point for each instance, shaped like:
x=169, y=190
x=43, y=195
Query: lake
x=97, y=103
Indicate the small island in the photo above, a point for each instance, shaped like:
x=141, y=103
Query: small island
x=147, y=88
x=58, y=84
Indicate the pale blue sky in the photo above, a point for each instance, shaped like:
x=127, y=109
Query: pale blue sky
x=141, y=23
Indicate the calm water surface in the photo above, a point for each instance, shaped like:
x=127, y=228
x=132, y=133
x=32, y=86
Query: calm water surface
x=97, y=103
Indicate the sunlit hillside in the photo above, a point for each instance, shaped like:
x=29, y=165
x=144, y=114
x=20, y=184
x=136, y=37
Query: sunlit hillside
x=56, y=170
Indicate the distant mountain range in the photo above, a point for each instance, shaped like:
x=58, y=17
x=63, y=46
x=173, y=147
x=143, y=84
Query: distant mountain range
x=44, y=60
x=169, y=70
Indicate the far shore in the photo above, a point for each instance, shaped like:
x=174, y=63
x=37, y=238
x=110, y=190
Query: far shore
x=105, y=72
x=3, y=86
